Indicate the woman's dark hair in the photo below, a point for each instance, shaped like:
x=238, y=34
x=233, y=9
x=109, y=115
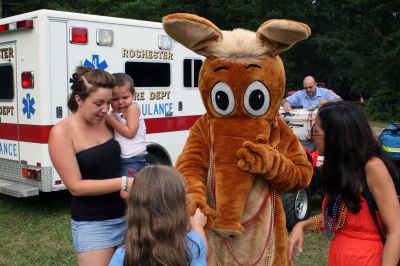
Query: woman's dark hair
x=157, y=219
x=122, y=78
x=86, y=80
x=349, y=145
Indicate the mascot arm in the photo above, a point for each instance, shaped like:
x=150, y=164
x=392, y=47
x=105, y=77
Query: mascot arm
x=192, y=163
x=286, y=168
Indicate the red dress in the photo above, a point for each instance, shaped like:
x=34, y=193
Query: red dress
x=358, y=242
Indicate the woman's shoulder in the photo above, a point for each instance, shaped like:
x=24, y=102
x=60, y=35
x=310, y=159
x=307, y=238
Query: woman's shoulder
x=61, y=129
x=376, y=171
x=373, y=163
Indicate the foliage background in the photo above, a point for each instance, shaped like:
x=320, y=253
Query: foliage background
x=354, y=47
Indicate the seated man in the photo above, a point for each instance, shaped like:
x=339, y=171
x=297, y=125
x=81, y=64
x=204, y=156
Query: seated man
x=311, y=96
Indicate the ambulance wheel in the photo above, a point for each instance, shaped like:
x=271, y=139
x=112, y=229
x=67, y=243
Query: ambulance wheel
x=297, y=207
x=153, y=159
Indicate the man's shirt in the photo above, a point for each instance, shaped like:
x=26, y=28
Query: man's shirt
x=301, y=98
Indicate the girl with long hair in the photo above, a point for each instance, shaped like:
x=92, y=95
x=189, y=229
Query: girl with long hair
x=360, y=207
x=158, y=223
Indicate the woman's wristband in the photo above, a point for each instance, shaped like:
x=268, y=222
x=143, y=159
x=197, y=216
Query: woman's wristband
x=124, y=184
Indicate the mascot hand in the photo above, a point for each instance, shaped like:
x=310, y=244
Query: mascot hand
x=258, y=157
x=194, y=201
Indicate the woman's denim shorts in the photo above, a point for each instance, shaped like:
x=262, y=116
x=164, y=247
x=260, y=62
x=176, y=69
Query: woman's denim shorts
x=92, y=235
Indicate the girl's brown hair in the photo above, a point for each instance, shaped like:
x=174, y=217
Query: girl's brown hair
x=86, y=80
x=157, y=219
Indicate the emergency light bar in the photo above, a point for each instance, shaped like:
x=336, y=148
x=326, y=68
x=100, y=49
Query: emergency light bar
x=105, y=37
x=78, y=35
x=27, y=80
x=164, y=42
x=3, y=27
x=19, y=25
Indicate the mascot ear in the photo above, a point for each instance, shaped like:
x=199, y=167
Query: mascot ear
x=193, y=32
x=279, y=35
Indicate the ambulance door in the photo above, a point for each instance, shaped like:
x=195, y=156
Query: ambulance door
x=9, y=145
x=187, y=101
x=58, y=70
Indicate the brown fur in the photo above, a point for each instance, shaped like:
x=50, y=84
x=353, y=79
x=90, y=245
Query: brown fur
x=251, y=152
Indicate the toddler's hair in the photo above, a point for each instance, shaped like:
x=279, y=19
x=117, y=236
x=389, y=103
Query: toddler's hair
x=122, y=78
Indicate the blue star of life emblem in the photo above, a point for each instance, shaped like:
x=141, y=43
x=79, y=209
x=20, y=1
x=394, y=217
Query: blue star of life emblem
x=28, y=103
x=95, y=63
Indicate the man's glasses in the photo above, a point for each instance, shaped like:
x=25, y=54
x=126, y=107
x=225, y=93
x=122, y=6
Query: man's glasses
x=309, y=87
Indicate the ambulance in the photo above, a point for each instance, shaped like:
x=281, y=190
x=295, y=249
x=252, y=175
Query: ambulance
x=40, y=50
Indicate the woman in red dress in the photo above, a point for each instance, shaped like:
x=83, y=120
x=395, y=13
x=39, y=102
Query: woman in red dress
x=354, y=170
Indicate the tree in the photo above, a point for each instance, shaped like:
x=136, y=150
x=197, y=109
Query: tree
x=354, y=46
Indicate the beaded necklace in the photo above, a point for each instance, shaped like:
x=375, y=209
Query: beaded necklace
x=332, y=223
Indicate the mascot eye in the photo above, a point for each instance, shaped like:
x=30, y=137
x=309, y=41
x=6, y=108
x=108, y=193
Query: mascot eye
x=256, y=99
x=222, y=98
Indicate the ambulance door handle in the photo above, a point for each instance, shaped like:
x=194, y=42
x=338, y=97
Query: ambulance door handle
x=59, y=112
x=180, y=106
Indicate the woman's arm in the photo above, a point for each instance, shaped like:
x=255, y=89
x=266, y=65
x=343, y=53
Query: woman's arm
x=132, y=122
x=296, y=237
x=63, y=156
x=381, y=185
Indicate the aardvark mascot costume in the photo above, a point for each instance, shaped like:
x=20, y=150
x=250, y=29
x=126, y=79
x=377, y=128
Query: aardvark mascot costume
x=240, y=155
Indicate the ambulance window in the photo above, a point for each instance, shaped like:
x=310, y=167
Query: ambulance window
x=191, y=79
x=187, y=73
x=148, y=74
x=7, y=84
x=197, y=66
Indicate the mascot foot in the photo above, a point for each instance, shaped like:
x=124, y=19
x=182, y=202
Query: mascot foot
x=228, y=229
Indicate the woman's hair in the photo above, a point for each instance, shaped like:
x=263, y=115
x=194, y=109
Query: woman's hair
x=86, y=80
x=122, y=78
x=349, y=145
x=157, y=219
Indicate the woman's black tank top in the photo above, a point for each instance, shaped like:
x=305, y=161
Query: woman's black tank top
x=99, y=162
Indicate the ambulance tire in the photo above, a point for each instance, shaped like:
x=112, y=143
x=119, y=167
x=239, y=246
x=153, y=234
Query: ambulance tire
x=297, y=207
x=153, y=159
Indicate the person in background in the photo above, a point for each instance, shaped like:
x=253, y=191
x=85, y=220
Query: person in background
x=128, y=124
x=86, y=157
x=158, y=223
x=311, y=97
x=354, y=173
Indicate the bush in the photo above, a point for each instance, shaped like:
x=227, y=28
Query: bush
x=384, y=105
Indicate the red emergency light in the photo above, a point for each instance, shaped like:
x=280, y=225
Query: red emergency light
x=27, y=80
x=4, y=27
x=25, y=24
x=78, y=35
x=19, y=25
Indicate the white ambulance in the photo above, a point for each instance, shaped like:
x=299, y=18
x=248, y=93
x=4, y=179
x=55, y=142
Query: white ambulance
x=40, y=50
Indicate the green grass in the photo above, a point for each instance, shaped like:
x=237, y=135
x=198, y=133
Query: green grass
x=37, y=231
